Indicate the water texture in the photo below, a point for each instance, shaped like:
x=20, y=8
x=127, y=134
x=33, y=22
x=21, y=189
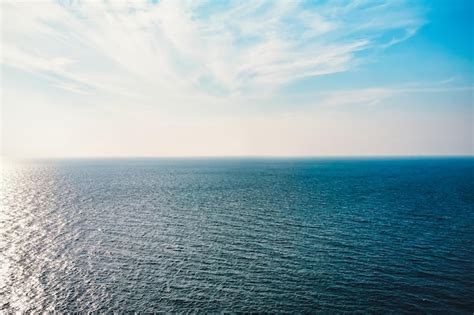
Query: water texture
x=238, y=235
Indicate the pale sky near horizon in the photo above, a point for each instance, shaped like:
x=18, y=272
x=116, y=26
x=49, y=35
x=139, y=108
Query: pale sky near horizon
x=236, y=78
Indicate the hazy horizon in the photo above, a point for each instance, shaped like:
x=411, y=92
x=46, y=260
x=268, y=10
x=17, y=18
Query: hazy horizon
x=243, y=157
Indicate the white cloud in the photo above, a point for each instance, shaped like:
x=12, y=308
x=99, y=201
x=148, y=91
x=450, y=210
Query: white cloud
x=377, y=95
x=176, y=48
x=369, y=96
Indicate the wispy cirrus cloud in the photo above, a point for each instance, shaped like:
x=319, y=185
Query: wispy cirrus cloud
x=199, y=49
x=376, y=95
x=369, y=96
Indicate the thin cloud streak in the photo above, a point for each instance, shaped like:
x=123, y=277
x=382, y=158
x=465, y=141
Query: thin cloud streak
x=376, y=95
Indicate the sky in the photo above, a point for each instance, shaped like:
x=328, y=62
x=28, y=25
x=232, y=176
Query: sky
x=236, y=78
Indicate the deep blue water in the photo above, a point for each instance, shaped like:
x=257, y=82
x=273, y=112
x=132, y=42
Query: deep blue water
x=248, y=235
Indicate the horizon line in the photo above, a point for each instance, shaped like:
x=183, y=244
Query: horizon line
x=184, y=157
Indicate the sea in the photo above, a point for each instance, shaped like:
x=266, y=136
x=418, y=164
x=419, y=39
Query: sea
x=252, y=235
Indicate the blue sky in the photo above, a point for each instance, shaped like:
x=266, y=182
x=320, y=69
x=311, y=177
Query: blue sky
x=273, y=78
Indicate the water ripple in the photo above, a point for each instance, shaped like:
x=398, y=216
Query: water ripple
x=238, y=235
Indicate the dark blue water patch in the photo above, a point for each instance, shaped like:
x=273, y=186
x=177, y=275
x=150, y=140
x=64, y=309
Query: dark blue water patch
x=239, y=235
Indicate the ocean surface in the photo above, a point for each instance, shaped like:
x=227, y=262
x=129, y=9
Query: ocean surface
x=238, y=235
